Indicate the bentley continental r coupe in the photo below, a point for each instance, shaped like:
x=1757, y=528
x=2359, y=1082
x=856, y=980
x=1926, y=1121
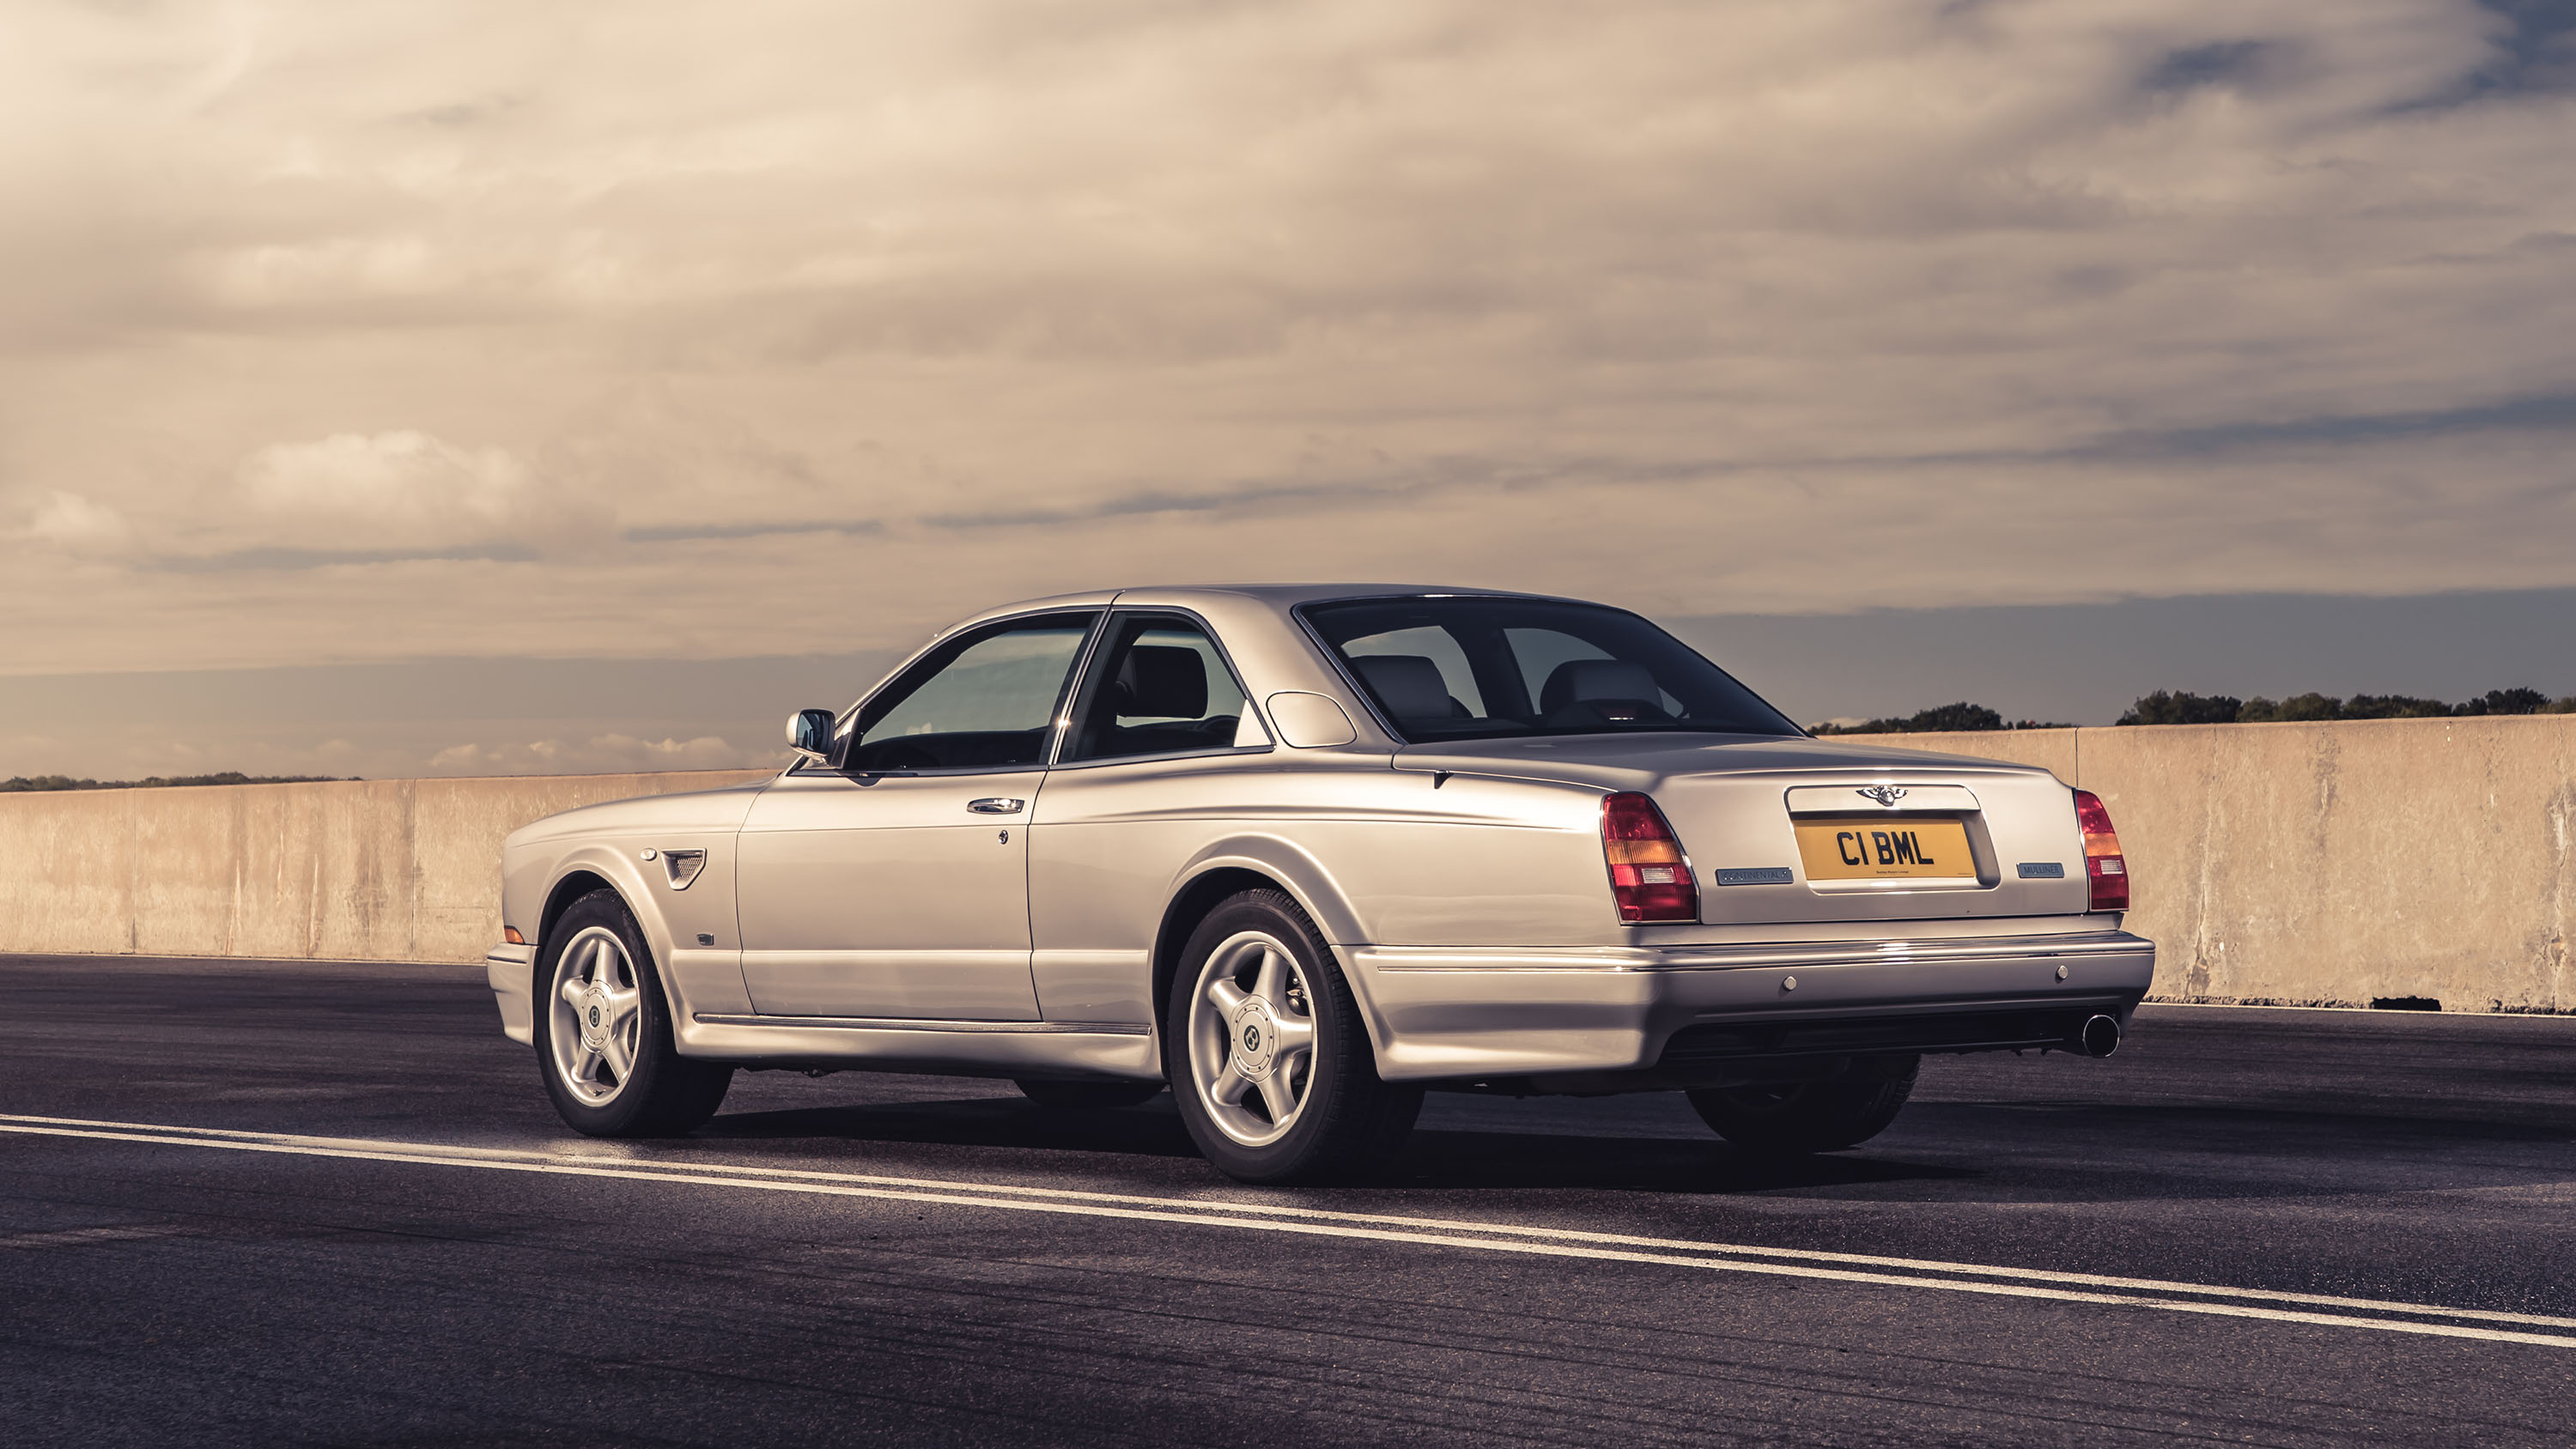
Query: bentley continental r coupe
x=1304, y=853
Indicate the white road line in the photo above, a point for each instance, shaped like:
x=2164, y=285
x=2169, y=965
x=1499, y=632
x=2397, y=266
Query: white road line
x=581, y=1149
x=1311, y=1222
x=83, y=1237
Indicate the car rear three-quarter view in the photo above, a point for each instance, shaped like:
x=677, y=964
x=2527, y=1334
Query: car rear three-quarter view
x=1303, y=853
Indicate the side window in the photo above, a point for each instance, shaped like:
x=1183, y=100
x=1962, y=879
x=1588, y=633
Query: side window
x=985, y=701
x=1159, y=687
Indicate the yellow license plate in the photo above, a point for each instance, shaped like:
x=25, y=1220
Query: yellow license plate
x=1879, y=848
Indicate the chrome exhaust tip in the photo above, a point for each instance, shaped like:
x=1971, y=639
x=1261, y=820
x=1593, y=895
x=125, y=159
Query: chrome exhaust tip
x=2100, y=1037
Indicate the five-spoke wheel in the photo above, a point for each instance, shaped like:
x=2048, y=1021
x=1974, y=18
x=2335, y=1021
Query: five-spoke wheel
x=598, y=1016
x=603, y=1033
x=1267, y=1054
x=1252, y=1038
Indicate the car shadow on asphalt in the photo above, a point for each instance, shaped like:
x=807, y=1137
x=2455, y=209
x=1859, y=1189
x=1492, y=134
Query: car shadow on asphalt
x=1701, y=1165
x=1150, y=1131
x=2359, y=1127
x=1430, y=1158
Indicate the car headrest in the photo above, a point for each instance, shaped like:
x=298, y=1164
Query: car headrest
x=1597, y=679
x=1409, y=685
x=1163, y=681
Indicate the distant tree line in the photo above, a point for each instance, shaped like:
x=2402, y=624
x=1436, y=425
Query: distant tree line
x=1940, y=719
x=2177, y=707
x=2167, y=706
x=21, y=784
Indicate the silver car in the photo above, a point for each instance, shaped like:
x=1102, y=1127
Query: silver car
x=1304, y=853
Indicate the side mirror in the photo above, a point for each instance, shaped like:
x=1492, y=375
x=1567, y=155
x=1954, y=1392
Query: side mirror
x=809, y=733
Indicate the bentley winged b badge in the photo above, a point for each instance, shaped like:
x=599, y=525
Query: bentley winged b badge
x=1886, y=795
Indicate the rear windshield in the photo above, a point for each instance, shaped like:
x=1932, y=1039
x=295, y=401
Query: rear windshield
x=1482, y=668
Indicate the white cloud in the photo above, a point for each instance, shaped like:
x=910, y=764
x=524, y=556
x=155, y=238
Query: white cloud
x=399, y=491
x=1689, y=305
x=600, y=754
x=79, y=526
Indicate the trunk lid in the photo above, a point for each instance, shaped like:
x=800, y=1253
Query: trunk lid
x=1883, y=829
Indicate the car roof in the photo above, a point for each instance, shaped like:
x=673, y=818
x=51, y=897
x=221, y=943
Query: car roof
x=1279, y=596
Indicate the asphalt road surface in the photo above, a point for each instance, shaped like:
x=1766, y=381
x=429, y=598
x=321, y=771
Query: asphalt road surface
x=299, y=1203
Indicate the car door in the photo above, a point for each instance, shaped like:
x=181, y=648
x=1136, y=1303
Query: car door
x=1162, y=746
x=897, y=886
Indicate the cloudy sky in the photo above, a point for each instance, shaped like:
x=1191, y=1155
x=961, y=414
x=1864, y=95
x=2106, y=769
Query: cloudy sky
x=342, y=336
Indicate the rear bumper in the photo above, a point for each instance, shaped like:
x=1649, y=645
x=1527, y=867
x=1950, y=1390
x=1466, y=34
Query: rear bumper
x=1699, y=1012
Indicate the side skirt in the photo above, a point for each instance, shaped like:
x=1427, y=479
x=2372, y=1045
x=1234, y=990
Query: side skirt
x=955, y=1048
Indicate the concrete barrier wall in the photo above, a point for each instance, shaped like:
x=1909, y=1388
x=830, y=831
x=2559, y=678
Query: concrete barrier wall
x=2324, y=864
x=2333, y=864
x=360, y=870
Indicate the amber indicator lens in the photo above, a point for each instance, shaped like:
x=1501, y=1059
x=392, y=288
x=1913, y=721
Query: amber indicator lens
x=2104, y=866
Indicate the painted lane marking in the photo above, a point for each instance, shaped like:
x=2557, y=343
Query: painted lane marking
x=1312, y=1222
x=83, y=1237
x=584, y=1150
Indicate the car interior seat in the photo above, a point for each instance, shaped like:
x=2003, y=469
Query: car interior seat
x=1577, y=681
x=1410, y=686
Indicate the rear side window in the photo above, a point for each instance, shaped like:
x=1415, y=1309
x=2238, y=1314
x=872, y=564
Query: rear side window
x=1464, y=667
x=1159, y=686
x=986, y=700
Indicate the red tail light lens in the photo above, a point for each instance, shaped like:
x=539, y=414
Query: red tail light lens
x=2104, y=866
x=1648, y=876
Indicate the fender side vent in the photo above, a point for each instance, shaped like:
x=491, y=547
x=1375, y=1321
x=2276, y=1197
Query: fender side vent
x=683, y=866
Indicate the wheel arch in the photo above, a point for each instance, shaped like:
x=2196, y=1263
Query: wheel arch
x=595, y=869
x=569, y=887
x=1227, y=869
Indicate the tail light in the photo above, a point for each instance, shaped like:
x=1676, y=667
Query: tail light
x=1648, y=875
x=2104, y=866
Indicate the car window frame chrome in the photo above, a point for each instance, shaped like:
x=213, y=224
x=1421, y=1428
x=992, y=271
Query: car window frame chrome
x=1351, y=684
x=847, y=720
x=1082, y=679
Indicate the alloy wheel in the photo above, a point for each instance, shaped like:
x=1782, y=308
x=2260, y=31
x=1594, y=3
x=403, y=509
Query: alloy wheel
x=1252, y=1038
x=598, y=1016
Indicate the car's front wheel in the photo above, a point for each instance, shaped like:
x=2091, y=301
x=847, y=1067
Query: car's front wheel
x=1791, y=1118
x=603, y=1031
x=1267, y=1053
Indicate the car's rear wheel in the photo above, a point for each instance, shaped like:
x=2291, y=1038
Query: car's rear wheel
x=1267, y=1053
x=1791, y=1118
x=1088, y=1095
x=603, y=1031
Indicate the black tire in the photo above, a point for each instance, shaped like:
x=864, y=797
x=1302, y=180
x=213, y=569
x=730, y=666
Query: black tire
x=1350, y=1119
x=1085, y=1096
x=666, y=1094
x=1794, y=1118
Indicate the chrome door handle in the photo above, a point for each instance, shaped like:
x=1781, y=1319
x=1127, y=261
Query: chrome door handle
x=996, y=805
